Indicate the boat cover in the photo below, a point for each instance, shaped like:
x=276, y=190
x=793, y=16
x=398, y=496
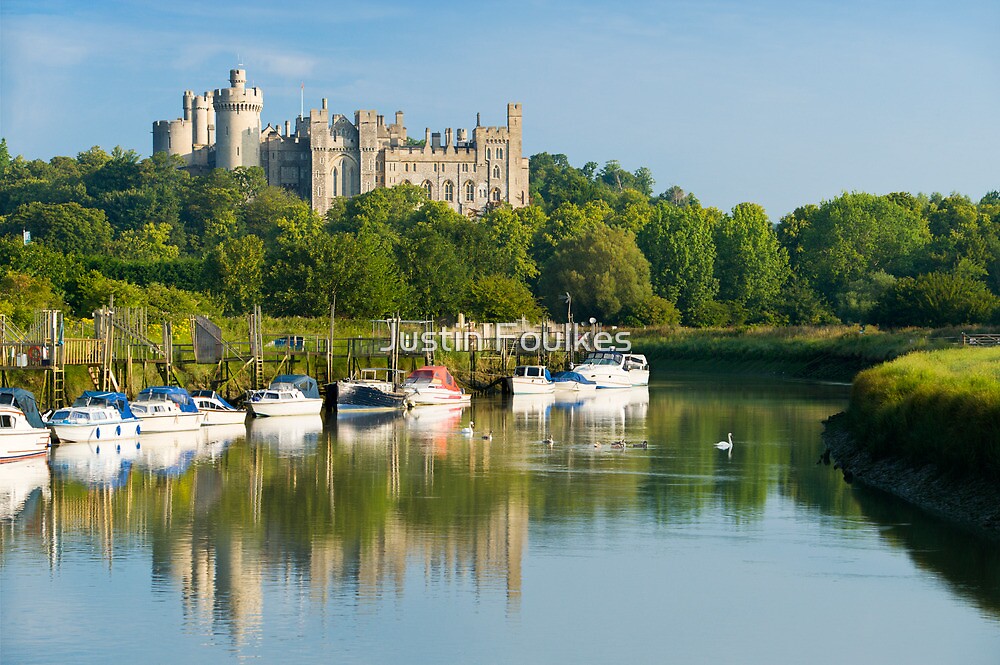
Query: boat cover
x=306, y=384
x=211, y=394
x=25, y=401
x=101, y=398
x=175, y=394
x=559, y=377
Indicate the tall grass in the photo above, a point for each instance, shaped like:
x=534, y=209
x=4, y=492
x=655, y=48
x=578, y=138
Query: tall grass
x=818, y=352
x=938, y=406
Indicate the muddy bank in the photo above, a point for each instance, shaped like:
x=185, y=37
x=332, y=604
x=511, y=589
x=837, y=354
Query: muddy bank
x=969, y=501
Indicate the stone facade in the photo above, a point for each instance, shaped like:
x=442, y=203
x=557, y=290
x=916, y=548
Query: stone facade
x=327, y=156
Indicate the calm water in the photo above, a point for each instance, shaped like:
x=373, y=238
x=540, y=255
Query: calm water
x=396, y=539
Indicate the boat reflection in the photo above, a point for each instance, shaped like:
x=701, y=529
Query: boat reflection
x=215, y=439
x=95, y=465
x=288, y=436
x=366, y=426
x=168, y=453
x=433, y=426
x=21, y=482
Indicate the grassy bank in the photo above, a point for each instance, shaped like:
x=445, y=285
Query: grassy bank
x=940, y=406
x=833, y=352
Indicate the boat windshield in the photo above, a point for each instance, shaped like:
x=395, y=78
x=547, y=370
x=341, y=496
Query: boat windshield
x=603, y=358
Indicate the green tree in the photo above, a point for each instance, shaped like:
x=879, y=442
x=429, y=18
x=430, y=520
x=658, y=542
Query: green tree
x=501, y=298
x=150, y=243
x=857, y=235
x=750, y=264
x=239, y=264
x=935, y=300
x=66, y=227
x=680, y=248
x=21, y=295
x=603, y=270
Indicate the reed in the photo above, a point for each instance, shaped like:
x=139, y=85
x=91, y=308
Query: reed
x=939, y=406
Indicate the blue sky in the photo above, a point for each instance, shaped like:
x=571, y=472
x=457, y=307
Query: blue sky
x=778, y=102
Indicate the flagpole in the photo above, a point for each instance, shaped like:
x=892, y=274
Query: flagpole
x=302, y=101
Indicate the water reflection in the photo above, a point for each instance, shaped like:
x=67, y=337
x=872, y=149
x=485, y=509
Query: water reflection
x=20, y=482
x=95, y=465
x=362, y=519
x=289, y=436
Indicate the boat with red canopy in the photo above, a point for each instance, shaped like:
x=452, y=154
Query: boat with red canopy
x=434, y=384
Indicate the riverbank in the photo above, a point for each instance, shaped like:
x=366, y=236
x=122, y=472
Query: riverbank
x=963, y=498
x=832, y=353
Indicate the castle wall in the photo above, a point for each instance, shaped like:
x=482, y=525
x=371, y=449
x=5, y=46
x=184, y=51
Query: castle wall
x=328, y=157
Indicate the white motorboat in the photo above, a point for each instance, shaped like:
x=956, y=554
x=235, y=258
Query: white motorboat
x=432, y=385
x=94, y=417
x=166, y=409
x=373, y=390
x=288, y=395
x=217, y=410
x=573, y=382
x=531, y=380
x=23, y=435
x=614, y=369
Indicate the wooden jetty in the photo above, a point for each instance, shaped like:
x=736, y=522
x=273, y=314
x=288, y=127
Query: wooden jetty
x=121, y=342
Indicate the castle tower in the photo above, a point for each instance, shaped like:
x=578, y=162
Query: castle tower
x=517, y=165
x=237, y=118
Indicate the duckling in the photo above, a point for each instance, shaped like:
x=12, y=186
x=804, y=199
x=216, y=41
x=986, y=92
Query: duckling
x=597, y=445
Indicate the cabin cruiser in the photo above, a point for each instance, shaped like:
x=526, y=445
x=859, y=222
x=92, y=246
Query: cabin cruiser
x=373, y=390
x=23, y=435
x=531, y=380
x=217, y=410
x=166, y=409
x=434, y=384
x=573, y=382
x=614, y=369
x=288, y=395
x=95, y=416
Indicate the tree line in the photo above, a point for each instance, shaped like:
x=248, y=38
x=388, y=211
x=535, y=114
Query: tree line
x=150, y=234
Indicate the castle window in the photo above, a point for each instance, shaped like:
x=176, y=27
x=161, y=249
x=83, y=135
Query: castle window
x=449, y=191
x=335, y=183
x=465, y=168
x=470, y=191
x=496, y=171
x=428, y=189
x=496, y=194
x=407, y=168
x=435, y=167
x=489, y=154
x=237, y=151
x=499, y=153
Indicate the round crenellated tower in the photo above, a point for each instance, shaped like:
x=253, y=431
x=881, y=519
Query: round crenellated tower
x=237, y=123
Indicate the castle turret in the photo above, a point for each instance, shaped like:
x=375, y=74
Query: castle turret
x=237, y=118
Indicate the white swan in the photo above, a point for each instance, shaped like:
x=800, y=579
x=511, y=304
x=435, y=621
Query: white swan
x=726, y=445
x=468, y=430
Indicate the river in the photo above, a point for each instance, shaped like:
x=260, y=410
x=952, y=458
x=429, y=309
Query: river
x=387, y=539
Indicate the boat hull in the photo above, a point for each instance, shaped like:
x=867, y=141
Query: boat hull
x=224, y=417
x=96, y=432
x=521, y=385
x=23, y=445
x=171, y=422
x=574, y=387
x=299, y=407
x=434, y=397
x=359, y=397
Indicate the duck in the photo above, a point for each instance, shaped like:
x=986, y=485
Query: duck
x=548, y=440
x=644, y=444
x=468, y=430
x=488, y=436
x=618, y=444
x=597, y=445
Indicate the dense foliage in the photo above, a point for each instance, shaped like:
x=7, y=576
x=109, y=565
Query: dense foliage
x=151, y=234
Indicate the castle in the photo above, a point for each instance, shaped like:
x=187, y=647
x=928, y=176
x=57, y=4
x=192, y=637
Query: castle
x=329, y=156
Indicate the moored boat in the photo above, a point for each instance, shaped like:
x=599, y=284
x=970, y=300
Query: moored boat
x=614, y=369
x=95, y=416
x=531, y=380
x=166, y=409
x=373, y=390
x=432, y=385
x=217, y=410
x=288, y=395
x=23, y=435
